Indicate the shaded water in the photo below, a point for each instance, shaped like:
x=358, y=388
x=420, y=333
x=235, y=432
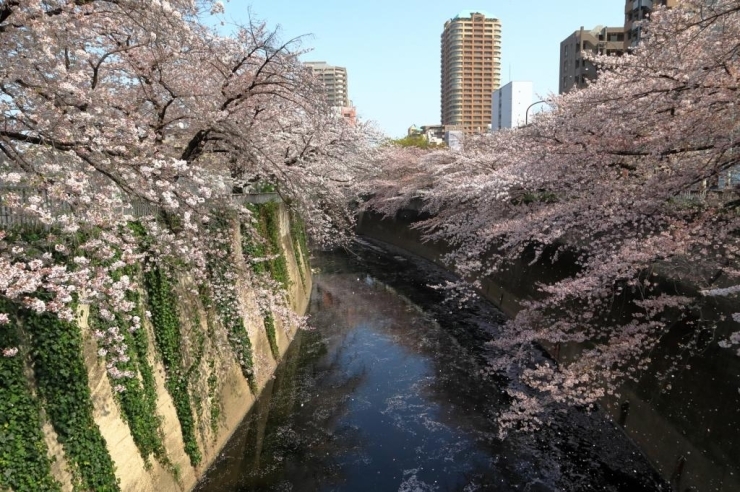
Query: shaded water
x=687, y=422
x=385, y=395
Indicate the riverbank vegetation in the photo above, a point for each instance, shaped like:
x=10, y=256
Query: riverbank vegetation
x=130, y=133
x=637, y=174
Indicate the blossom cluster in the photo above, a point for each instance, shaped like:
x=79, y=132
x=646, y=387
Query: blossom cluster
x=105, y=126
x=631, y=177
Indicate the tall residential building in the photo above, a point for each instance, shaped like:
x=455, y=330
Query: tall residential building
x=639, y=10
x=471, y=69
x=335, y=83
x=575, y=70
x=509, y=105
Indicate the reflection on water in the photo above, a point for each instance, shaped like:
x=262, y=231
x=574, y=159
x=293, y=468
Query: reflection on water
x=384, y=395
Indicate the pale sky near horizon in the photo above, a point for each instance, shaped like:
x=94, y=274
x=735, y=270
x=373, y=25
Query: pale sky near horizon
x=392, y=48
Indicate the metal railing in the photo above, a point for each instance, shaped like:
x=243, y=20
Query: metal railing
x=137, y=208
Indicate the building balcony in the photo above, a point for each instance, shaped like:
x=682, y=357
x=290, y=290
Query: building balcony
x=638, y=4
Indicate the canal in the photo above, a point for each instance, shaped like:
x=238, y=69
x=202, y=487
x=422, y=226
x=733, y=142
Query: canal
x=385, y=394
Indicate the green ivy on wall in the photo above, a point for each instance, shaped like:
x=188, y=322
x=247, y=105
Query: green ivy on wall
x=61, y=377
x=269, y=245
x=271, y=337
x=226, y=302
x=198, y=350
x=145, y=410
x=268, y=227
x=213, y=399
x=253, y=248
x=165, y=320
x=300, y=245
x=138, y=402
x=24, y=462
x=56, y=351
x=162, y=303
x=212, y=381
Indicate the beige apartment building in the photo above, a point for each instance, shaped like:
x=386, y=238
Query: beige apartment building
x=639, y=10
x=575, y=70
x=471, y=69
x=335, y=82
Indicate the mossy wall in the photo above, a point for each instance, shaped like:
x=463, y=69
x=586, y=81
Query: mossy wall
x=198, y=370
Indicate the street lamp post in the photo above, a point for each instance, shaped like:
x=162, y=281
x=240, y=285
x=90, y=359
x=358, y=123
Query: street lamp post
x=526, y=113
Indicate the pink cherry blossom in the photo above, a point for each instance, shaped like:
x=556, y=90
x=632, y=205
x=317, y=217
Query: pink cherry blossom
x=630, y=176
x=10, y=352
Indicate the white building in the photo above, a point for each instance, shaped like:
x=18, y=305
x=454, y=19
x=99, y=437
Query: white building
x=509, y=105
x=454, y=140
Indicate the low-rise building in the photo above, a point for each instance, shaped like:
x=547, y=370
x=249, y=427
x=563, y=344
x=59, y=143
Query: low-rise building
x=433, y=134
x=509, y=105
x=455, y=139
x=349, y=113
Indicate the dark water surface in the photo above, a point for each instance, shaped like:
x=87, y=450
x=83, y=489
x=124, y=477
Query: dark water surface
x=384, y=395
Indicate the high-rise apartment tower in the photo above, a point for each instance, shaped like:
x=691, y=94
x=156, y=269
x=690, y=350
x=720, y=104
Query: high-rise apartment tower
x=335, y=82
x=471, y=69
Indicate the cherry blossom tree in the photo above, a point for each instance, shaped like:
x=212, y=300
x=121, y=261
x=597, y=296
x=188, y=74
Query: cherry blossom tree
x=629, y=173
x=120, y=109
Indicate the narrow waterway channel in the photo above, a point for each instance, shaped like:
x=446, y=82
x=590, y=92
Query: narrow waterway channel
x=385, y=395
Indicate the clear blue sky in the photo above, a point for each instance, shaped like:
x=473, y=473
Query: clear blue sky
x=391, y=47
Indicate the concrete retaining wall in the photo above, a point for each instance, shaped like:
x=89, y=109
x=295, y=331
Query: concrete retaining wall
x=691, y=433
x=233, y=394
